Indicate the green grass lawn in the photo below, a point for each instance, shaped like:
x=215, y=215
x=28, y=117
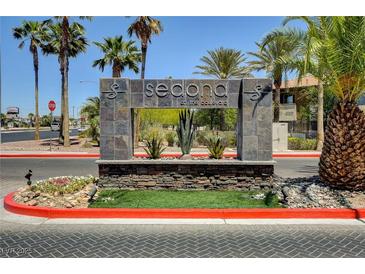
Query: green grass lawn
x=181, y=199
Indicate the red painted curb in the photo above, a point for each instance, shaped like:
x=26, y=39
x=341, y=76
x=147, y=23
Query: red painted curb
x=143, y=155
x=169, y=213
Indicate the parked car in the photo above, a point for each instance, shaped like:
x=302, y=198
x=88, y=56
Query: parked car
x=55, y=126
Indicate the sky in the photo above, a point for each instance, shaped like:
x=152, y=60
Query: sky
x=175, y=52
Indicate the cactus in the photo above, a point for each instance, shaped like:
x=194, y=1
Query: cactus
x=185, y=130
x=215, y=147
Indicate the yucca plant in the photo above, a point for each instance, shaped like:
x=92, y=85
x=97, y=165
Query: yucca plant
x=185, y=130
x=215, y=147
x=342, y=162
x=154, y=147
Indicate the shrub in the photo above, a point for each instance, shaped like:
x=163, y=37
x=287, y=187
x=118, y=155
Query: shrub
x=63, y=185
x=170, y=138
x=295, y=143
x=154, y=147
x=228, y=137
x=185, y=130
x=215, y=147
x=153, y=132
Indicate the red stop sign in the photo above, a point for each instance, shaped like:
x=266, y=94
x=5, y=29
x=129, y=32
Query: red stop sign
x=52, y=105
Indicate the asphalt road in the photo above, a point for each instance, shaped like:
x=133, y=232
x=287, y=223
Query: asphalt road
x=16, y=136
x=12, y=171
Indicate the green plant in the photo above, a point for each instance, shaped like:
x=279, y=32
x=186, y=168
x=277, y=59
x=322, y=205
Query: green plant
x=215, y=147
x=170, y=138
x=295, y=143
x=185, y=130
x=271, y=199
x=154, y=147
x=63, y=185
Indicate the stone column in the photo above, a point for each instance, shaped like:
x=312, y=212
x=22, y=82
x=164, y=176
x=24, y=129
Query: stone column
x=254, y=121
x=116, y=130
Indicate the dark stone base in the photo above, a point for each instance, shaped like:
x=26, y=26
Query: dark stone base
x=180, y=174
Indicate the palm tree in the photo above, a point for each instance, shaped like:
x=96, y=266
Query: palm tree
x=224, y=63
x=92, y=110
x=119, y=54
x=275, y=52
x=342, y=162
x=68, y=41
x=144, y=27
x=313, y=61
x=36, y=33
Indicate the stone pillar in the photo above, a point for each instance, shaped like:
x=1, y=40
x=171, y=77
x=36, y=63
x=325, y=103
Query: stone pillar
x=254, y=121
x=116, y=130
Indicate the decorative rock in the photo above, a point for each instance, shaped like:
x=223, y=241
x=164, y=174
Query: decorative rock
x=32, y=203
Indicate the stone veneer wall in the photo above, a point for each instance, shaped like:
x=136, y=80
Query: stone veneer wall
x=170, y=175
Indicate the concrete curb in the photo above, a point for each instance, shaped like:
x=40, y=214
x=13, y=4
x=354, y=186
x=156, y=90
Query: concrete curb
x=183, y=213
x=142, y=155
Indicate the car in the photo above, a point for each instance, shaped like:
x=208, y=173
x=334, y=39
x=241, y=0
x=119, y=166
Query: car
x=55, y=126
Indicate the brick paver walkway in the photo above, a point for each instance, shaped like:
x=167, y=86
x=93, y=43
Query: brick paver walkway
x=20, y=240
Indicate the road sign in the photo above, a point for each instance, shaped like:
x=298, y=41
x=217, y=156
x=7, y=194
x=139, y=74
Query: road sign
x=52, y=105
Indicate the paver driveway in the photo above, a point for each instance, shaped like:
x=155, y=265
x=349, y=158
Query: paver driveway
x=21, y=240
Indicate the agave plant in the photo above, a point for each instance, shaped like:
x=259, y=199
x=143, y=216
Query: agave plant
x=185, y=130
x=154, y=147
x=215, y=147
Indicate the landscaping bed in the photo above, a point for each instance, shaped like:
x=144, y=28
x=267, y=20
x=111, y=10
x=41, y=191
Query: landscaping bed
x=74, y=192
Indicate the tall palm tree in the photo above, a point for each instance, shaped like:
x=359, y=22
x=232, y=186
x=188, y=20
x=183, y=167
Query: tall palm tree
x=342, y=162
x=313, y=61
x=223, y=63
x=36, y=33
x=68, y=40
x=144, y=27
x=92, y=110
x=119, y=54
x=274, y=55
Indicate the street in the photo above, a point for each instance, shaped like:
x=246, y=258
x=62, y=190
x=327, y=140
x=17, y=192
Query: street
x=15, y=136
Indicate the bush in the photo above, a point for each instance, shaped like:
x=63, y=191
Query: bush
x=154, y=146
x=228, y=137
x=152, y=132
x=215, y=147
x=295, y=143
x=63, y=185
x=170, y=137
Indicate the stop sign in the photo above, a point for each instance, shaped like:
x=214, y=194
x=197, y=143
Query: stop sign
x=52, y=105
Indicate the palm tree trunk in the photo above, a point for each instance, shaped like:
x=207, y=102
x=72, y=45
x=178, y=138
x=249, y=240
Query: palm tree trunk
x=137, y=123
x=277, y=85
x=116, y=70
x=144, y=54
x=36, y=66
x=320, y=128
x=64, y=60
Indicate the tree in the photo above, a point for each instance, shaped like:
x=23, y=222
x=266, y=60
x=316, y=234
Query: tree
x=144, y=27
x=118, y=54
x=222, y=63
x=342, y=162
x=276, y=50
x=36, y=34
x=31, y=118
x=313, y=61
x=67, y=41
x=92, y=110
